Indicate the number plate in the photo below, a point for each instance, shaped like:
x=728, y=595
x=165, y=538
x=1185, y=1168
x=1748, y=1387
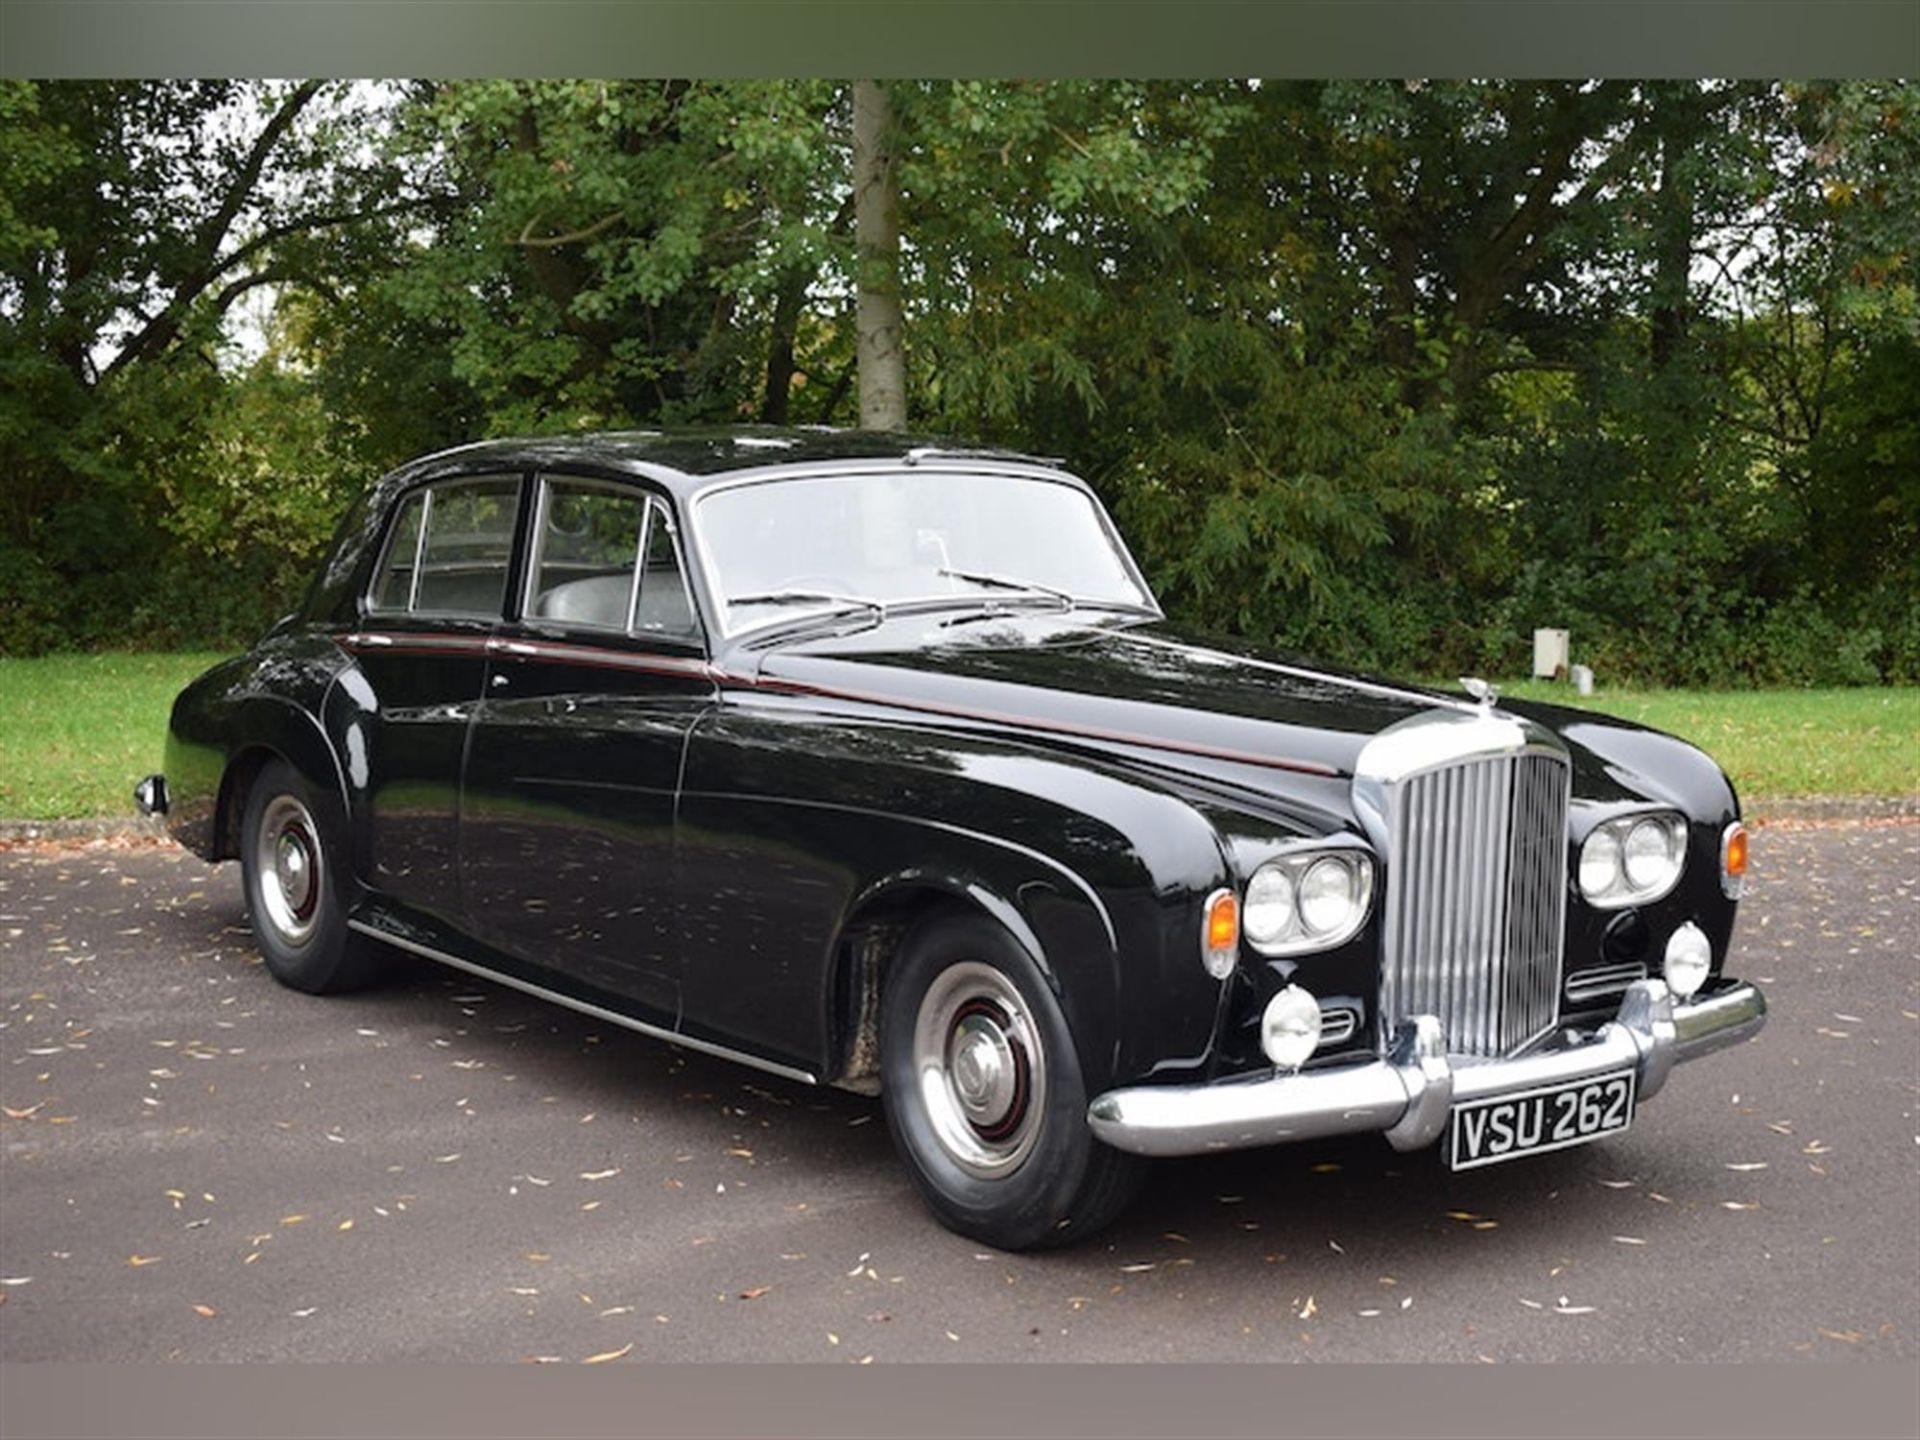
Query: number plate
x=1485, y=1132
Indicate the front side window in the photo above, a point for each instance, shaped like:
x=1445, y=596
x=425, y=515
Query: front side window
x=605, y=560
x=449, y=550
x=586, y=549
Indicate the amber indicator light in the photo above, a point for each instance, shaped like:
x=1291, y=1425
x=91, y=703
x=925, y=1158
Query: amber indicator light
x=1223, y=923
x=1736, y=863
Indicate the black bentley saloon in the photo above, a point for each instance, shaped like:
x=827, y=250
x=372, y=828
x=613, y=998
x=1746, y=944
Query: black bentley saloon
x=873, y=762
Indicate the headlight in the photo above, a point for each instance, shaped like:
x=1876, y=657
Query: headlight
x=1268, y=913
x=1313, y=899
x=1633, y=859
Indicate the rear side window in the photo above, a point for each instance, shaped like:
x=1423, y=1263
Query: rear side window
x=449, y=550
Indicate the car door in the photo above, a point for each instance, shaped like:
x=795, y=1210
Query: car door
x=573, y=764
x=436, y=598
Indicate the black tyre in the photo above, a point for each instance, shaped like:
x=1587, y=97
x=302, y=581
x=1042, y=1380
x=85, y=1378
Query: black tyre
x=291, y=859
x=984, y=1095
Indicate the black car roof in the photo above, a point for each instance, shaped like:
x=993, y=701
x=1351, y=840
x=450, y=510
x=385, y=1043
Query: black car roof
x=688, y=460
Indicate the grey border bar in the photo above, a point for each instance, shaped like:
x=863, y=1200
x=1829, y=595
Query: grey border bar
x=938, y=38
x=1751, y=1402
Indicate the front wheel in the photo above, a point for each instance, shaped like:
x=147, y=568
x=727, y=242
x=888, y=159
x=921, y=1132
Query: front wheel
x=290, y=859
x=984, y=1094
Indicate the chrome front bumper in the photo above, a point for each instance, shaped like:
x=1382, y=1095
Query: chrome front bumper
x=1408, y=1095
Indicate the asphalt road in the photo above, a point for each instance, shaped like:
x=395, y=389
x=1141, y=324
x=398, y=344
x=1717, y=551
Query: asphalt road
x=200, y=1165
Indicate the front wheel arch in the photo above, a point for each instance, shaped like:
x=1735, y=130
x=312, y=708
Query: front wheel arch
x=886, y=915
x=984, y=1092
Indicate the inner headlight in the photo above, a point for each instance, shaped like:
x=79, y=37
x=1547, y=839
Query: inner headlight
x=1269, y=910
x=1313, y=899
x=1633, y=859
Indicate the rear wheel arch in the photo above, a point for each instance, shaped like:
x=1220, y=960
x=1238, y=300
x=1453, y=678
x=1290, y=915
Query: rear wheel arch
x=269, y=731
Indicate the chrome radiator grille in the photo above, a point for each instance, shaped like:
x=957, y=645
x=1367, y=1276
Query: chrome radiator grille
x=1475, y=899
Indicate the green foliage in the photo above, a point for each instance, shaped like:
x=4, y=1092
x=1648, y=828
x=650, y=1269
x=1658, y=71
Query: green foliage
x=1390, y=373
x=76, y=731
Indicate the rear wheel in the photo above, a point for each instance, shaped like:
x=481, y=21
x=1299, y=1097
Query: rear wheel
x=290, y=859
x=984, y=1094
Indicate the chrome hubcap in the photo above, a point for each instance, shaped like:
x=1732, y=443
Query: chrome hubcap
x=287, y=858
x=981, y=1070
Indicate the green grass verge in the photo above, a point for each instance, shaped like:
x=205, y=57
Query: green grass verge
x=76, y=731
x=1778, y=742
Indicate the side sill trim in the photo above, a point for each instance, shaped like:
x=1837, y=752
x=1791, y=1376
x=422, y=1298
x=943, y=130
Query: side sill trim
x=599, y=1012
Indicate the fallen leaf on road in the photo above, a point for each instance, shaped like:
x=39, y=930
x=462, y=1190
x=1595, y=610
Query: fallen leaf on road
x=606, y=1355
x=206, y=1311
x=755, y=1293
x=137, y=1260
x=599, y=1174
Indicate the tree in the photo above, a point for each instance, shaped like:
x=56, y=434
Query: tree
x=878, y=337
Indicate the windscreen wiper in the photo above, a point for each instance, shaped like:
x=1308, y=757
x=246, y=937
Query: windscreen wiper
x=801, y=597
x=839, y=605
x=1007, y=582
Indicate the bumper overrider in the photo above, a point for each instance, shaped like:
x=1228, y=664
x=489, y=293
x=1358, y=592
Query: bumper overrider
x=1408, y=1095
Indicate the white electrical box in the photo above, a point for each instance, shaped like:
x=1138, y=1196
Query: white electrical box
x=1550, y=654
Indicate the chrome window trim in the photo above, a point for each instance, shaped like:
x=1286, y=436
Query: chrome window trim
x=537, y=545
x=639, y=563
x=657, y=509
x=419, y=549
x=654, y=508
x=368, y=600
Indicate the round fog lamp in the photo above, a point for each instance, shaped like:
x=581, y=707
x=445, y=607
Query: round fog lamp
x=1689, y=957
x=1290, y=1028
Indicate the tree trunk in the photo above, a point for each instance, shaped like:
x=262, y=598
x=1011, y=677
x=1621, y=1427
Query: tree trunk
x=780, y=366
x=876, y=238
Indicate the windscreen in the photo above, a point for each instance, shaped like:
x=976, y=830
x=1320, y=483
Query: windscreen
x=908, y=535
